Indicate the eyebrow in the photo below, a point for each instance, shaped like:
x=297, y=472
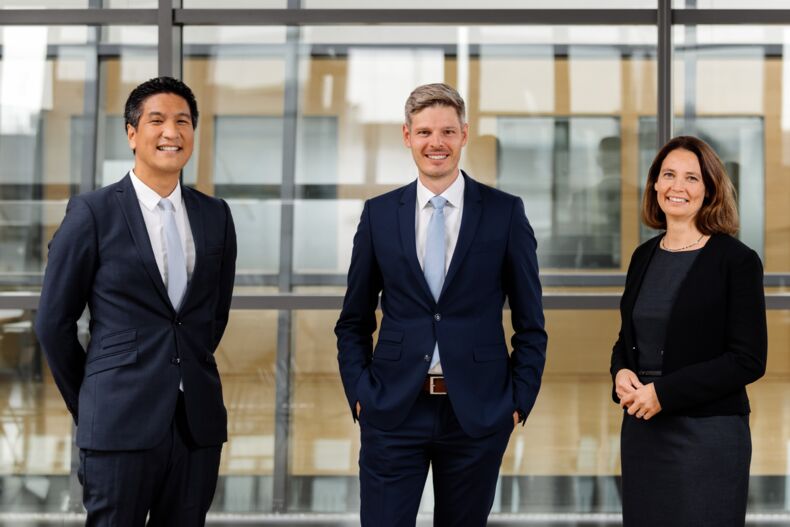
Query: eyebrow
x=160, y=114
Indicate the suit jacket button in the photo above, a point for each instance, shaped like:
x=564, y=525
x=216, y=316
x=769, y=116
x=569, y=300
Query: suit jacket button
x=175, y=360
x=427, y=358
x=437, y=317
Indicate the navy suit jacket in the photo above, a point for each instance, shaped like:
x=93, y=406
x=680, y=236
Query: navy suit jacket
x=122, y=391
x=494, y=259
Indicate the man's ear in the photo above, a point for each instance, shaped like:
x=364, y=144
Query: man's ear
x=131, y=136
x=406, y=136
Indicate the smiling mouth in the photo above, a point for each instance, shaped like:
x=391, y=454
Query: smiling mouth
x=168, y=148
x=438, y=157
x=673, y=199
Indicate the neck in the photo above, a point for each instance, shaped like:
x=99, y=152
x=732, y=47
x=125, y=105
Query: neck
x=681, y=233
x=440, y=184
x=162, y=184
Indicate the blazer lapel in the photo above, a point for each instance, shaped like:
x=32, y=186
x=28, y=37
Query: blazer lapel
x=130, y=207
x=196, y=227
x=469, y=221
x=406, y=222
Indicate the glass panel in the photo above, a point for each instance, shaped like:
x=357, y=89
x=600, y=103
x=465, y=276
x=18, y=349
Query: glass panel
x=732, y=85
x=573, y=191
x=237, y=75
x=567, y=457
x=584, y=100
x=48, y=125
x=246, y=361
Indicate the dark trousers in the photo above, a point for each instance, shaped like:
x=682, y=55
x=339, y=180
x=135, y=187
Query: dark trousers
x=393, y=466
x=174, y=481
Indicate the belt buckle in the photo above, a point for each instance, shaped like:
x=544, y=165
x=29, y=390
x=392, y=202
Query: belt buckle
x=432, y=388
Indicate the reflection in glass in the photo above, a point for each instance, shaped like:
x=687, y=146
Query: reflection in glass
x=567, y=171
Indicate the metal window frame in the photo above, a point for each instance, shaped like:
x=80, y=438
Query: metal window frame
x=170, y=18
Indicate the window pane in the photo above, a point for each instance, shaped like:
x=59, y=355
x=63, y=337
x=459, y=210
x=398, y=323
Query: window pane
x=732, y=86
x=48, y=126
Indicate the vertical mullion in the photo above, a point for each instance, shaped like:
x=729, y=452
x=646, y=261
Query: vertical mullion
x=285, y=277
x=664, y=132
x=170, y=40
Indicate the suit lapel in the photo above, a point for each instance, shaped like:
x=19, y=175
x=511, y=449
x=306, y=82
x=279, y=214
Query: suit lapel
x=130, y=207
x=196, y=227
x=469, y=221
x=406, y=222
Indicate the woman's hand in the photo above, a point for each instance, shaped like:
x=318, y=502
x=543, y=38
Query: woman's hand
x=625, y=382
x=642, y=403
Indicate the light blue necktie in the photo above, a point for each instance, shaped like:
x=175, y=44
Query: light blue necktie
x=174, y=257
x=433, y=263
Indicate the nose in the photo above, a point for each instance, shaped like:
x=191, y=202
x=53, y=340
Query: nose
x=169, y=130
x=437, y=139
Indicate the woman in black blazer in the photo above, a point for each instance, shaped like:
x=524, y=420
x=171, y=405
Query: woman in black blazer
x=693, y=335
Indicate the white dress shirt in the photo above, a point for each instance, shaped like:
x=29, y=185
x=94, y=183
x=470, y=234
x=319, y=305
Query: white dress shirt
x=453, y=210
x=154, y=224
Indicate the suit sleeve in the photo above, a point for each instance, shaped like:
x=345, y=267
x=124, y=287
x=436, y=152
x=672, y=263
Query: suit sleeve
x=618, y=359
x=68, y=280
x=357, y=322
x=746, y=344
x=226, y=278
x=523, y=289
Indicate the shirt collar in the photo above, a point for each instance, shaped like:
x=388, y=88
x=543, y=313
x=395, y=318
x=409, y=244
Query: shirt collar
x=148, y=196
x=454, y=194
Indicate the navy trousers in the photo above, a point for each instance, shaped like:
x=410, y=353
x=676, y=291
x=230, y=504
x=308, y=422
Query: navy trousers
x=174, y=482
x=393, y=466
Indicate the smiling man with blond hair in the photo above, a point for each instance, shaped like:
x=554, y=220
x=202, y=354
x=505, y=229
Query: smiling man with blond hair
x=439, y=389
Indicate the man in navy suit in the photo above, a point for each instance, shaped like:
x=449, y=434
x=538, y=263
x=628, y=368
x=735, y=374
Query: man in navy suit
x=440, y=388
x=154, y=262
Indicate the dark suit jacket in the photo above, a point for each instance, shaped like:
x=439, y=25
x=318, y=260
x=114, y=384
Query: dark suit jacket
x=716, y=339
x=123, y=390
x=494, y=259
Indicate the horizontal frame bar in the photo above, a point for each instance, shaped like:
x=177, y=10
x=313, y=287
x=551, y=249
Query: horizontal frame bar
x=79, y=17
x=324, y=17
x=297, y=301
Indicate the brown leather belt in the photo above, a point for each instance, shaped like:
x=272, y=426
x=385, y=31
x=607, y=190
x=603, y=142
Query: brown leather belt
x=434, y=385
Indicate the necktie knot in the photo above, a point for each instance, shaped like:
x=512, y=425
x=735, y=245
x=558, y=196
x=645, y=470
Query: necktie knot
x=438, y=203
x=167, y=205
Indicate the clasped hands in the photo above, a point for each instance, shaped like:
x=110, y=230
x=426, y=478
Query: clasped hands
x=640, y=400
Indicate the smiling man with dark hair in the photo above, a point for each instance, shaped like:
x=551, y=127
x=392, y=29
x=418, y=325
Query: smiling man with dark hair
x=155, y=264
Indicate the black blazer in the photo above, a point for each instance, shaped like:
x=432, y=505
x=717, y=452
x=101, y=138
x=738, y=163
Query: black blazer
x=716, y=339
x=122, y=390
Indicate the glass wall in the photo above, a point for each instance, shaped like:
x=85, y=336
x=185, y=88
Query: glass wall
x=300, y=124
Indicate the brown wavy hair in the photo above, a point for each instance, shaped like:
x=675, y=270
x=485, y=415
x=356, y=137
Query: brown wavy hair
x=719, y=212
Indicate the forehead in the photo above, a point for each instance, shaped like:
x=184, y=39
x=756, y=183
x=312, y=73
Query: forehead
x=166, y=103
x=681, y=157
x=436, y=116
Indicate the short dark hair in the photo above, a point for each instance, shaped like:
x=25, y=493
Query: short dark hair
x=719, y=211
x=438, y=94
x=134, y=103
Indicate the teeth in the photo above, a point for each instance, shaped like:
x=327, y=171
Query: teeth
x=168, y=148
x=437, y=156
x=676, y=200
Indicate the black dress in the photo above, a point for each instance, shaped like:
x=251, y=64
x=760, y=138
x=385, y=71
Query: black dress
x=678, y=470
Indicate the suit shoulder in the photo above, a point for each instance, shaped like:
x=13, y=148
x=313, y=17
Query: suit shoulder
x=493, y=193
x=731, y=248
x=393, y=196
x=205, y=200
